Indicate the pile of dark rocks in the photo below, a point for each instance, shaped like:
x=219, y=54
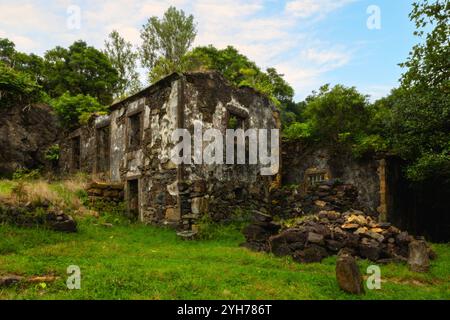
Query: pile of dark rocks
x=314, y=237
x=41, y=214
x=329, y=195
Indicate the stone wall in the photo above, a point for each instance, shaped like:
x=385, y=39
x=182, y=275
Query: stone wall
x=300, y=161
x=221, y=189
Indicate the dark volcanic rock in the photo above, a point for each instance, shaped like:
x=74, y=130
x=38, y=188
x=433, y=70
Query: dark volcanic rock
x=332, y=231
x=25, y=135
x=347, y=274
x=312, y=253
x=287, y=241
x=418, y=260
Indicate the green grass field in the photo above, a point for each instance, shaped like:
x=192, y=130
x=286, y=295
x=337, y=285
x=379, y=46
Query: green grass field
x=133, y=261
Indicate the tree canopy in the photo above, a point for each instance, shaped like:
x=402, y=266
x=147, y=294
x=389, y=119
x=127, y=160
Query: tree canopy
x=167, y=39
x=124, y=59
x=420, y=130
x=80, y=69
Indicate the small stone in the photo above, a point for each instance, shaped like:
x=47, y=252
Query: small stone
x=370, y=250
x=376, y=236
x=315, y=238
x=383, y=225
x=347, y=274
x=349, y=226
x=418, y=260
x=9, y=280
x=361, y=230
x=359, y=219
x=311, y=254
x=320, y=203
x=334, y=245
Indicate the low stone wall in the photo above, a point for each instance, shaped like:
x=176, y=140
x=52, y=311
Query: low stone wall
x=111, y=192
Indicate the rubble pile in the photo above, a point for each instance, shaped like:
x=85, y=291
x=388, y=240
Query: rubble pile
x=314, y=237
x=328, y=195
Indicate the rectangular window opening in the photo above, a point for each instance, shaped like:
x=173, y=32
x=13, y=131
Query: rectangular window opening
x=103, y=149
x=135, y=132
x=236, y=122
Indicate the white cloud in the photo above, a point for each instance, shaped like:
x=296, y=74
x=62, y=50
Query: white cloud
x=326, y=59
x=270, y=38
x=22, y=43
x=310, y=8
x=377, y=91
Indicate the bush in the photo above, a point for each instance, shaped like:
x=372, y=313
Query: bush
x=76, y=110
x=297, y=131
x=52, y=154
x=27, y=174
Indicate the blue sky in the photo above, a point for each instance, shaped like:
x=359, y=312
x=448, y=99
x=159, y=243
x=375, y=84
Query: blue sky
x=312, y=42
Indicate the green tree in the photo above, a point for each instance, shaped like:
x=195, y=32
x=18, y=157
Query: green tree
x=27, y=63
x=76, y=110
x=17, y=87
x=7, y=51
x=336, y=115
x=80, y=69
x=124, y=60
x=428, y=65
x=420, y=130
x=169, y=38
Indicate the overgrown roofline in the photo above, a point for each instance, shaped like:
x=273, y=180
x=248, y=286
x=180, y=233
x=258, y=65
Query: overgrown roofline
x=166, y=81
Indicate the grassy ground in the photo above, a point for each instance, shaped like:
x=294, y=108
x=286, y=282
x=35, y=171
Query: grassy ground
x=132, y=261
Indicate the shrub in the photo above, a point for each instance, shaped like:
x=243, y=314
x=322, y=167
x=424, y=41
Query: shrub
x=26, y=174
x=52, y=153
x=76, y=110
x=298, y=130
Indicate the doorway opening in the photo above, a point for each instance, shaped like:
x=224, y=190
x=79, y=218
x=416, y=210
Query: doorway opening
x=133, y=199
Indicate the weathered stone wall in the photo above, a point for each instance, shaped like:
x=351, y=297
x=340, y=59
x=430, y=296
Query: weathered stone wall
x=298, y=160
x=25, y=135
x=221, y=189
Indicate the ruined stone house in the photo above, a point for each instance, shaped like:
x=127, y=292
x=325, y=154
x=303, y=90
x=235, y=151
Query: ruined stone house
x=131, y=147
